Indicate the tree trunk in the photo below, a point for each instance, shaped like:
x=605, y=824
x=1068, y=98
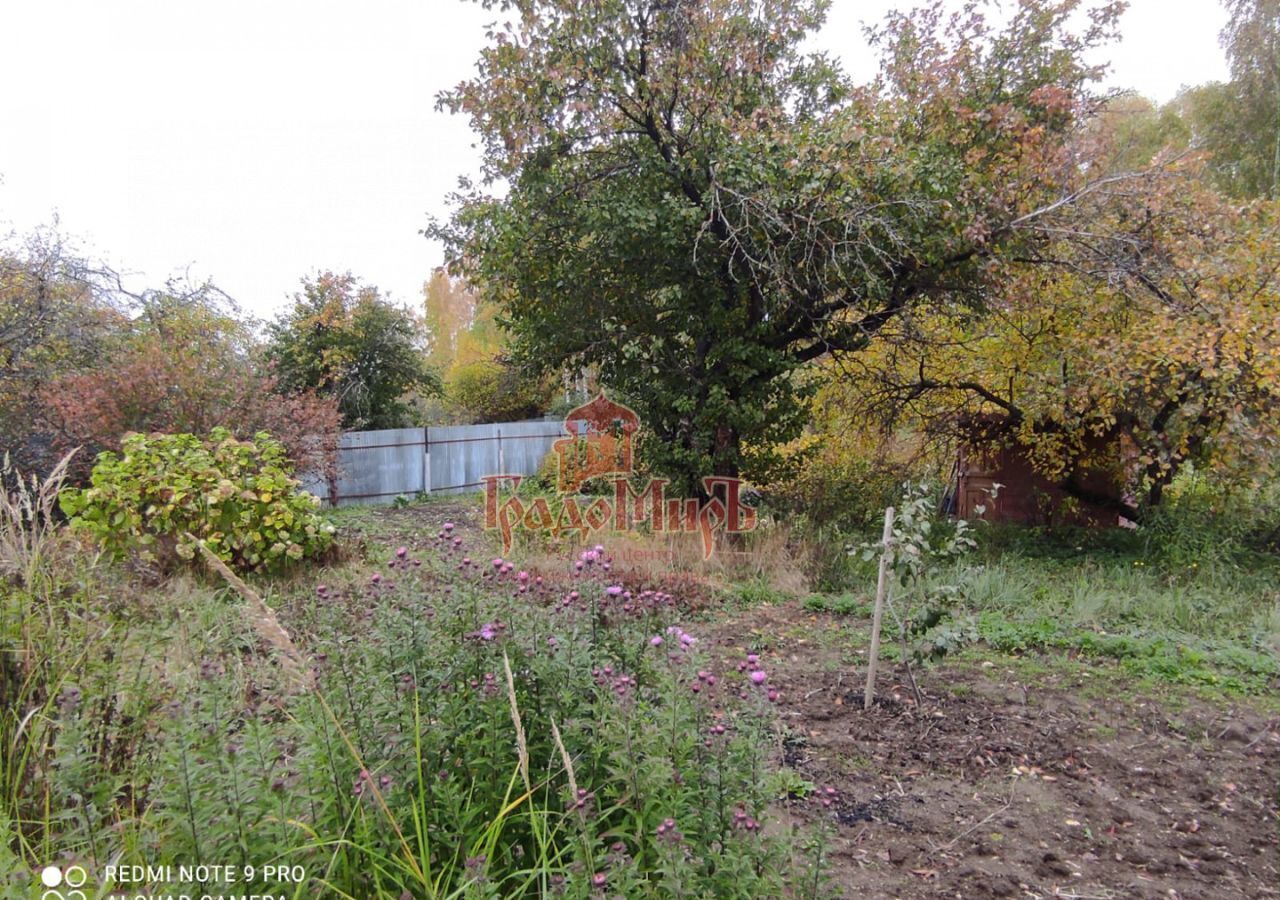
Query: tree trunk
x=726, y=452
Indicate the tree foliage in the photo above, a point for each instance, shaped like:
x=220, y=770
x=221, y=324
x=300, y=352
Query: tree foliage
x=469, y=348
x=1137, y=354
x=1237, y=122
x=492, y=390
x=450, y=313
x=56, y=317
x=342, y=339
x=1252, y=42
x=186, y=363
x=696, y=208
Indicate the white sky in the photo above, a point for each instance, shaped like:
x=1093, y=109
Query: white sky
x=256, y=142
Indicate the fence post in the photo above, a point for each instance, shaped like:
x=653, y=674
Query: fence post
x=882, y=584
x=426, y=460
x=502, y=460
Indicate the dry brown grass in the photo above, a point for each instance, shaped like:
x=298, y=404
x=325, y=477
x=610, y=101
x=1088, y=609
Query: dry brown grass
x=767, y=554
x=29, y=533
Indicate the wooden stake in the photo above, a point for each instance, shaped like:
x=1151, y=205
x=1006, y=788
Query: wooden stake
x=882, y=585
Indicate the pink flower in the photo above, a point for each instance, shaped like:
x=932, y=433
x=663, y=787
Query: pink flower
x=758, y=676
x=402, y=552
x=655, y=641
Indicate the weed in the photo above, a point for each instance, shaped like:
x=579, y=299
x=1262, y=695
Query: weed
x=840, y=605
x=465, y=729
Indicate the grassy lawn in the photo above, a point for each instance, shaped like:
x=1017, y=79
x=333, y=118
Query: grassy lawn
x=1211, y=620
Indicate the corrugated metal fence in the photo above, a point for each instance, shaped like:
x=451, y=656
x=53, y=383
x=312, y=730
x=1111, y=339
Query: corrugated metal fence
x=378, y=466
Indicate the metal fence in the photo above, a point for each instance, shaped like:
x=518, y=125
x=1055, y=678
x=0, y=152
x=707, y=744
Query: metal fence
x=378, y=466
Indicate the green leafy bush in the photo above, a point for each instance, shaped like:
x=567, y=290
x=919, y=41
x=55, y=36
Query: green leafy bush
x=238, y=496
x=838, y=488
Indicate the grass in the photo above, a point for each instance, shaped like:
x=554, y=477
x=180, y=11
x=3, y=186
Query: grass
x=1162, y=613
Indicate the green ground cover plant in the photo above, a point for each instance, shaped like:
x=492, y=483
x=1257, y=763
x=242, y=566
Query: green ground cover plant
x=1192, y=597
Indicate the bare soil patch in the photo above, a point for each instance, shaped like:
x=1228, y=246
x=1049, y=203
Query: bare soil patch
x=1061, y=782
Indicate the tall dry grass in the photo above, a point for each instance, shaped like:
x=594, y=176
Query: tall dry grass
x=38, y=651
x=768, y=555
x=29, y=530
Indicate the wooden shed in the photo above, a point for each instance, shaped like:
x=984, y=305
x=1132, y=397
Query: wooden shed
x=1027, y=497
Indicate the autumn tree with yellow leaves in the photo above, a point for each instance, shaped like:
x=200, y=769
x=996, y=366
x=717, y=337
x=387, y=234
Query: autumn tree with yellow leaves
x=1151, y=342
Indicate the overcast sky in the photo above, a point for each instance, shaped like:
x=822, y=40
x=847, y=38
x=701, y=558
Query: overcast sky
x=255, y=142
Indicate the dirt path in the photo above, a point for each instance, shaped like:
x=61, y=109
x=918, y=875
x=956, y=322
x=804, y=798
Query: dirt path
x=1019, y=779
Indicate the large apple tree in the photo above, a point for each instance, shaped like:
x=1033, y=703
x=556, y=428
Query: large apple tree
x=679, y=197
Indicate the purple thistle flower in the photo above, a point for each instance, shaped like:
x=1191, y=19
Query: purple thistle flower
x=758, y=676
